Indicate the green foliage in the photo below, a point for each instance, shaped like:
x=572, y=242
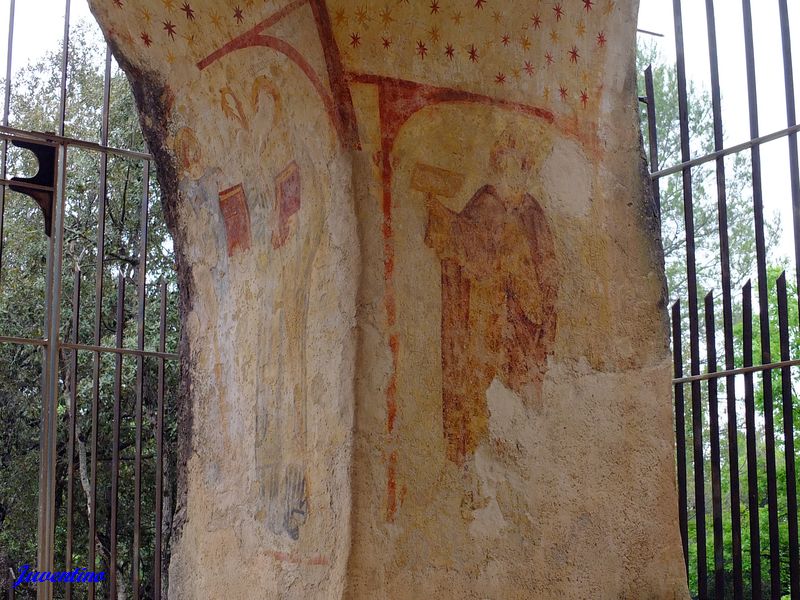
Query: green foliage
x=35, y=106
x=743, y=267
x=704, y=190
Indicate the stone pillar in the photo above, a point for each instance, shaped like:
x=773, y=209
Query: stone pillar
x=424, y=333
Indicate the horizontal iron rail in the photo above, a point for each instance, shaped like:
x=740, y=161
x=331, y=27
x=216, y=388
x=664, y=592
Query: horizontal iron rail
x=740, y=371
x=11, y=133
x=102, y=349
x=27, y=185
x=764, y=139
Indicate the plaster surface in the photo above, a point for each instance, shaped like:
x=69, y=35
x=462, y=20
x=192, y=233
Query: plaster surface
x=424, y=335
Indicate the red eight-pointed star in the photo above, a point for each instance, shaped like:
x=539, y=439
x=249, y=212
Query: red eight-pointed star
x=386, y=42
x=574, y=55
x=238, y=15
x=563, y=91
x=584, y=98
x=587, y=5
x=559, y=11
x=188, y=10
x=548, y=57
x=500, y=78
x=355, y=40
x=146, y=39
x=528, y=67
x=450, y=51
x=422, y=49
x=434, y=7
x=601, y=39
x=537, y=21
x=479, y=3
x=506, y=39
x=473, y=53
x=170, y=29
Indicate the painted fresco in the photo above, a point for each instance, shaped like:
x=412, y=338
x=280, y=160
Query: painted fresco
x=409, y=236
x=499, y=287
x=496, y=255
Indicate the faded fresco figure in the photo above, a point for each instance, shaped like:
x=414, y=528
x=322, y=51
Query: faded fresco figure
x=499, y=287
x=283, y=398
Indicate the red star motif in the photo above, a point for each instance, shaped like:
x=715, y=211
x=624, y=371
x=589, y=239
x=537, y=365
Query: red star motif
x=170, y=29
x=422, y=49
x=146, y=39
x=355, y=40
x=574, y=55
x=537, y=21
x=238, y=14
x=479, y=4
x=473, y=53
x=435, y=7
x=549, y=58
x=528, y=67
x=506, y=39
x=118, y=3
x=563, y=91
x=386, y=42
x=587, y=5
x=601, y=39
x=500, y=78
x=559, y=11
x=188, y=10
x=449, y=51
x=584, y=98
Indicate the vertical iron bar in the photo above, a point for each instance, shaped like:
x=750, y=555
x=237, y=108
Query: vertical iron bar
x=73, y=416
x=652, y=136
x=736, y=506
x=98, y=316
x=62, y=105
x=680, y=431
x=791, y=120
x=48, y=433
x=713, y=419
x=788, y=437
x=750, y=424
x=694, y=333
x=162, y=339
x=141, y=283
x=763, y=304
x=6, y=111
x=116, y=427
x=727, y=303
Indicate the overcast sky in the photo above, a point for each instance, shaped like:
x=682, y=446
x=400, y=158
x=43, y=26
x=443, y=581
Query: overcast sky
x=657, y=16
x=39, y=23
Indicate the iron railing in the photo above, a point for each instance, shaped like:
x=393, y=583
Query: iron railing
x=744, y=554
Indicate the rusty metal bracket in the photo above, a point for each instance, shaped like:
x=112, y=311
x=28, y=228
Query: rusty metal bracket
x=40, y=187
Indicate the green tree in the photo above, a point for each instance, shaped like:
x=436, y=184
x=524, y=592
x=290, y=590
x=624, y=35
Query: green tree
x=34, y=106
x=704, y=191
x=743, y=267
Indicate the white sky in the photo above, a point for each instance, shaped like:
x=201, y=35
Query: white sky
x=657, y=16
x=39, y=24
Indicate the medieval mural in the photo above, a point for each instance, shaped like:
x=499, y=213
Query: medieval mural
x=401, y=222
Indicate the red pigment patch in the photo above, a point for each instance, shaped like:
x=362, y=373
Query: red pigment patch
x=287, y=185
x=236, y=216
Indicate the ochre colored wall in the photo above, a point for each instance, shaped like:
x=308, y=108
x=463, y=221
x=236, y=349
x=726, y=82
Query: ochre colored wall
x=424, y=334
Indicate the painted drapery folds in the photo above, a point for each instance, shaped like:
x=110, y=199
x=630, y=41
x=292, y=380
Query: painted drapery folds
x=423, y=330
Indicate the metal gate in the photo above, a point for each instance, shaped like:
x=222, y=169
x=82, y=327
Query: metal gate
x=107, y=360
x=736, y=414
